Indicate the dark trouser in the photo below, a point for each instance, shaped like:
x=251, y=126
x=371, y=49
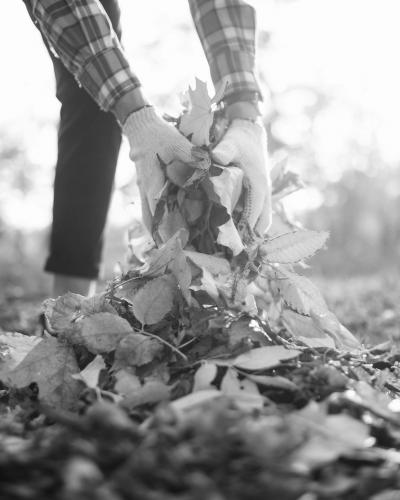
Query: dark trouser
x=88, y=146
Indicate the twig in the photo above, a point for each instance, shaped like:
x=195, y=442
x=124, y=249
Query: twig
x=165, y=342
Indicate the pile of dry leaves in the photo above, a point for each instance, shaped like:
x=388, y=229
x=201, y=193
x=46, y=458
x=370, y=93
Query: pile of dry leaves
x=209, y=369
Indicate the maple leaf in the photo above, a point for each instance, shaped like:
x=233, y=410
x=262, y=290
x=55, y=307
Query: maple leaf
x=293, y=247
x=197, y=122
x=154, y=300
x=51, y=364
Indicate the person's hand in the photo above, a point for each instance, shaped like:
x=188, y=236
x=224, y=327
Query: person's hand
x=245, y=145
x=150, y=136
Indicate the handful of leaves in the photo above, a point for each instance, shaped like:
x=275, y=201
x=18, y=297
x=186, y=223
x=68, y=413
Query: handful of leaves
x=203, y=204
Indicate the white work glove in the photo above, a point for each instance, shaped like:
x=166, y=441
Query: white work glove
x=245, y=145
x=149, y=136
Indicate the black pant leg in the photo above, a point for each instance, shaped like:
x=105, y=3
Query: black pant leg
x=88, y=146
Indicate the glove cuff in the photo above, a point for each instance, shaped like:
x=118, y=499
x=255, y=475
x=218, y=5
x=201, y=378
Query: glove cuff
x=139, y=120
x=247, y=125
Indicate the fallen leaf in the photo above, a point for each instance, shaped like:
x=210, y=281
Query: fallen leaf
x=293, y=247
x=304, y=329
x=264, y=358
x=126, y=382
x=63, y=311
x=230, y=383
x=136, y=349
x=227, y=187
x=273, y=382
x=328, y=437
x=208, y=285
x=195, y=399
x=204, y=376
x=14, y=347
x=213, y=264
x=96, y=304
x=229, y=237
x=182, y=272
x=101, y=332
x=51, y=365
x=248, y=401
x=318, y=343
x=170, y=224
x=299, y=293
x=241, y=330
x=90, y=374
x=151, y=392
x=154, y=300
x=328, y=323
x=387, y=495
x=159, y=258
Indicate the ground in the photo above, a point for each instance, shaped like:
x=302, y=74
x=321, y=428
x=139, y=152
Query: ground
x=305, y=445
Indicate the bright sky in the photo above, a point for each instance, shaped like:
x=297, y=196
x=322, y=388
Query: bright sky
x=347, y=47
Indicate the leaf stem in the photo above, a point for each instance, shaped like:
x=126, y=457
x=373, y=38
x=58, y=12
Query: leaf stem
x=165, y=342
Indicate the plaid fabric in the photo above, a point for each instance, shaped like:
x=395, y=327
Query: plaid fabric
x=227, y=30
x=81, y=34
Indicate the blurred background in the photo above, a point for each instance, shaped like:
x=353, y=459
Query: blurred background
x=331, y=78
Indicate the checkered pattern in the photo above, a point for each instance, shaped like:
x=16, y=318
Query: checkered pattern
x=227, y=30
x=82, y=36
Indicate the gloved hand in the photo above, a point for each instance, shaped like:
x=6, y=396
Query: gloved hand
x=149, y=136
x=245, y=145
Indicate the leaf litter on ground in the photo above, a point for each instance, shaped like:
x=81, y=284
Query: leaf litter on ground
x=210, y=369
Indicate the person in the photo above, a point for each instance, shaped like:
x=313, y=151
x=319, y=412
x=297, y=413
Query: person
x=100, y=95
